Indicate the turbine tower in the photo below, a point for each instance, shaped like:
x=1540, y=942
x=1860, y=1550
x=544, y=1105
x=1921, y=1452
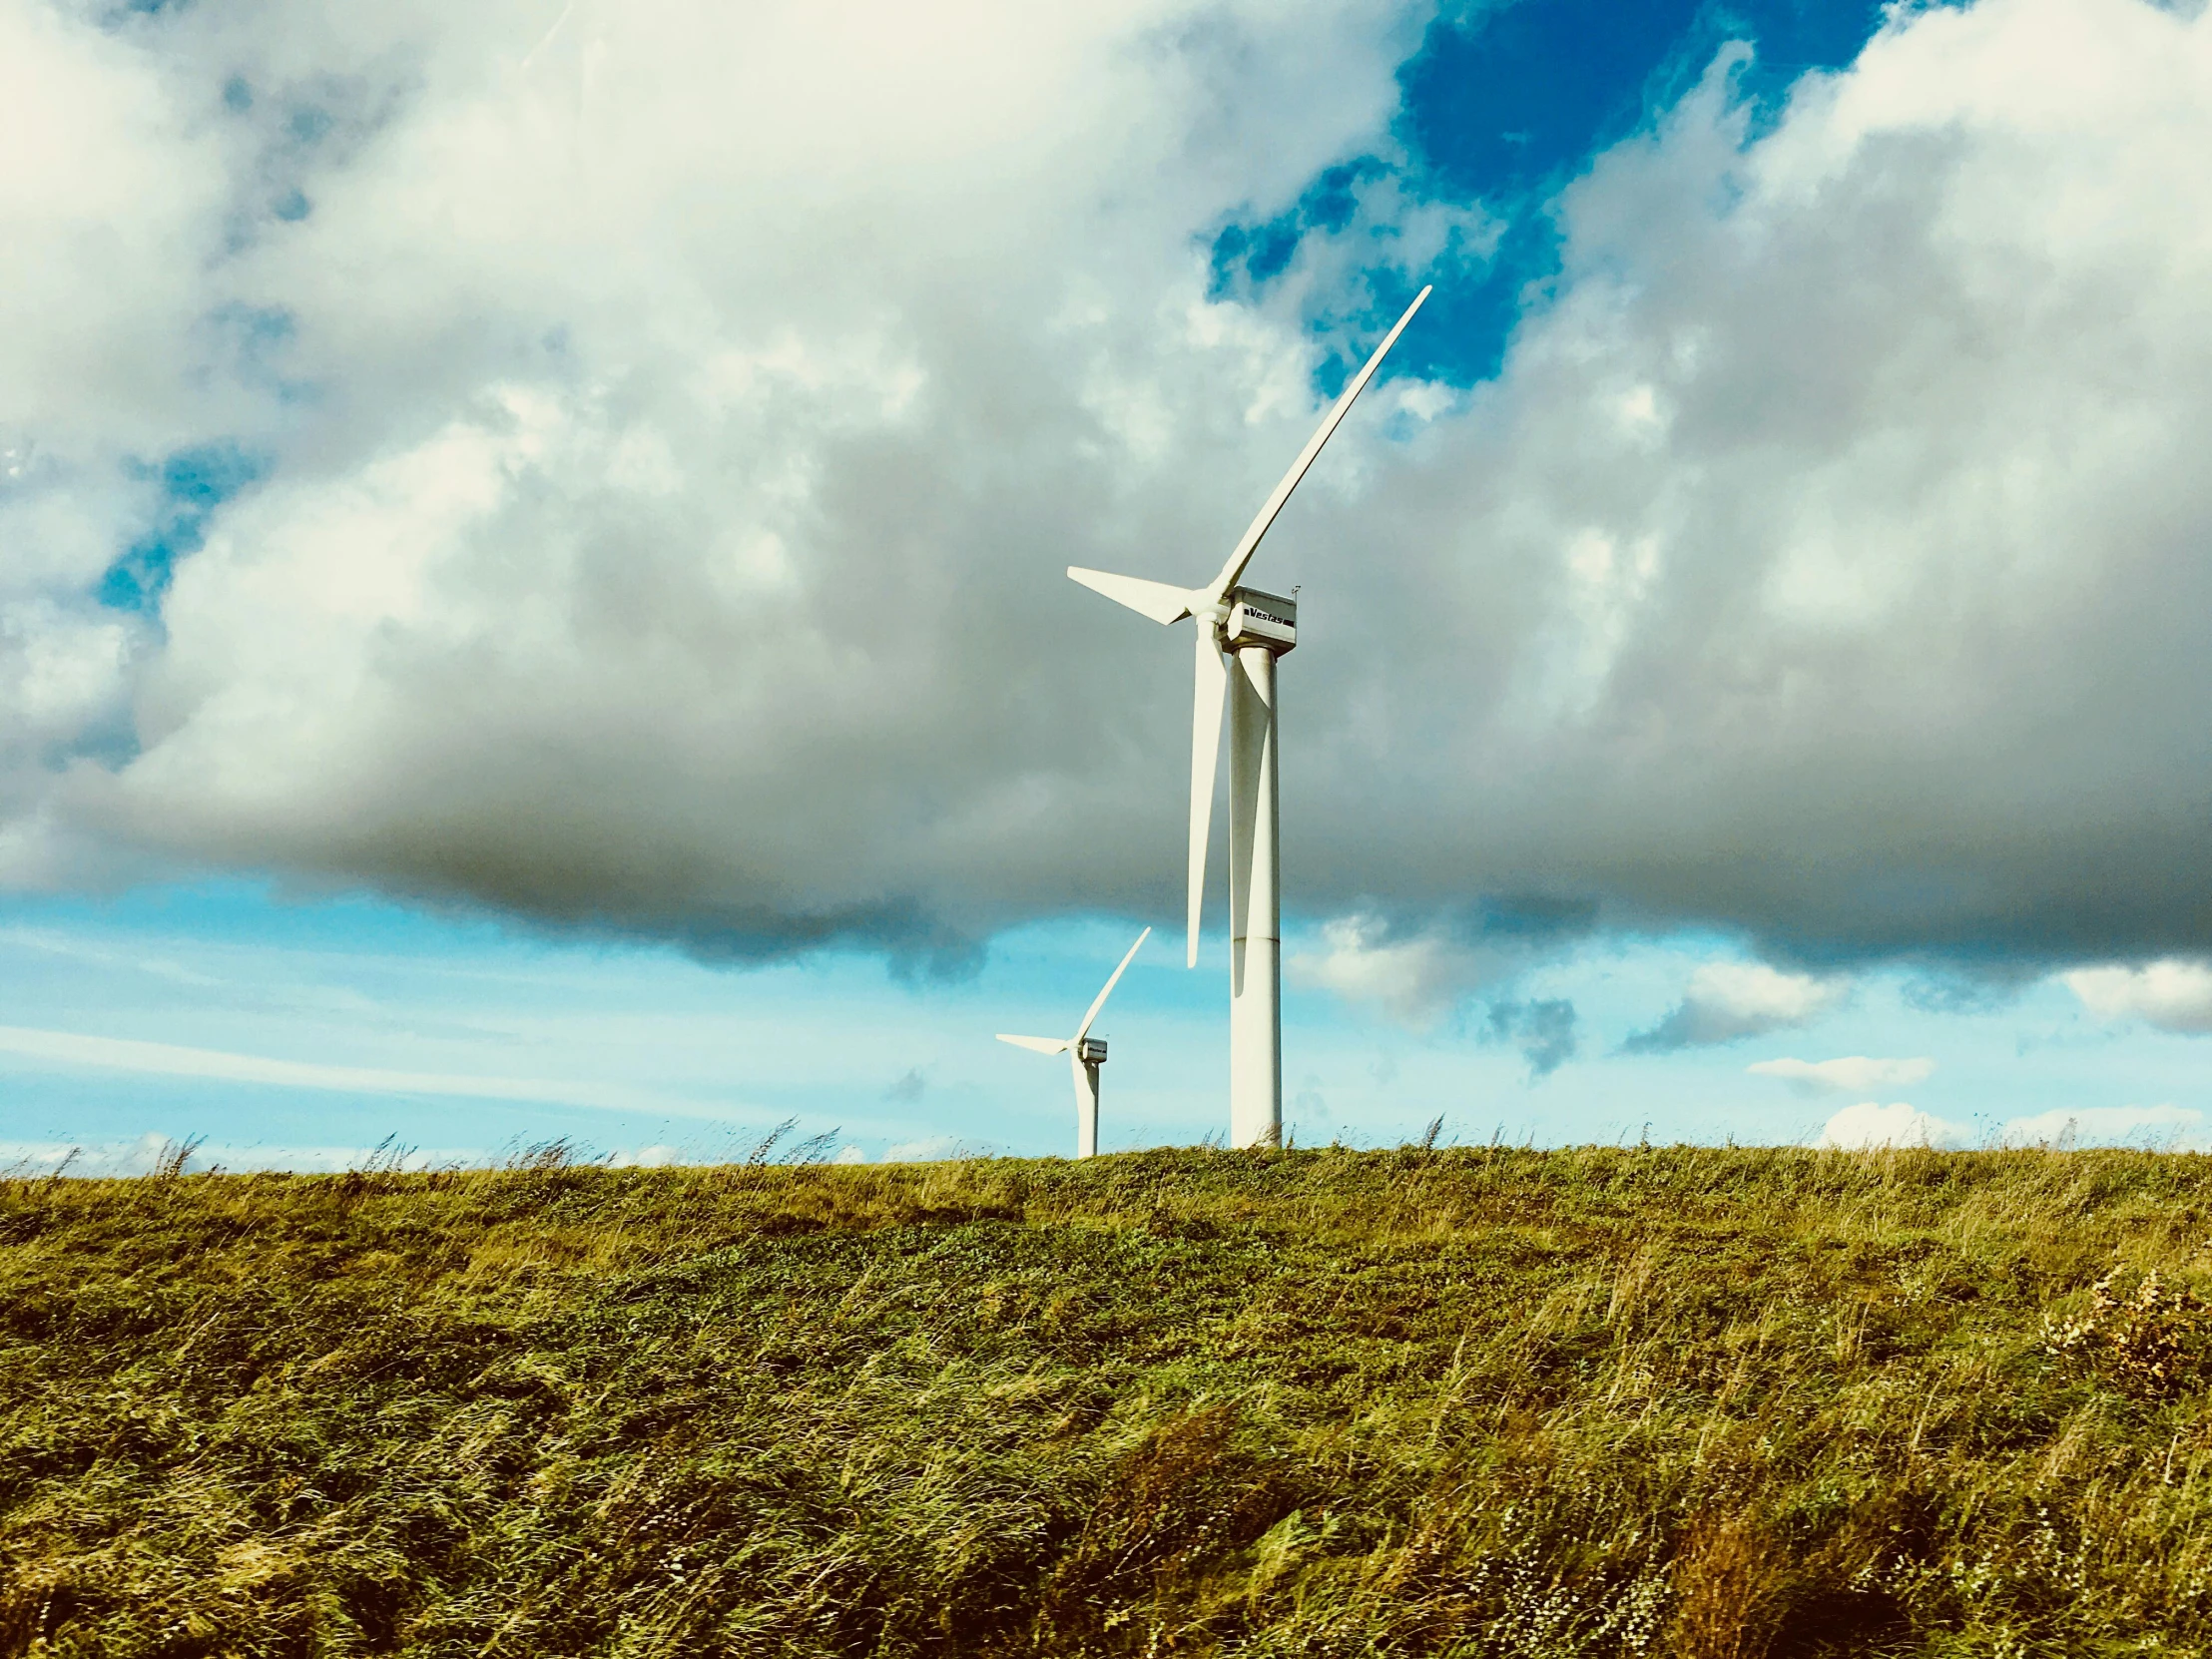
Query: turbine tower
x=1086, y=1054
x=1254, y=627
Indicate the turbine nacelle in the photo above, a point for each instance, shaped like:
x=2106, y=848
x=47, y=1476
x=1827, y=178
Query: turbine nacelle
x=1255, y=618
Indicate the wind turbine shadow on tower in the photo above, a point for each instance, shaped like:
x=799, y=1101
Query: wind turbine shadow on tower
x=1254, y=628
x=1086, y=1054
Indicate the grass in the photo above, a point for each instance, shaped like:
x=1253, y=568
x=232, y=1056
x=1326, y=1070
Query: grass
x=1721, y=1405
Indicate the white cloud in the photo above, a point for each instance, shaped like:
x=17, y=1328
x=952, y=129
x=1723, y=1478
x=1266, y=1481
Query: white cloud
x=1868, y=1124
x=113, y=1158
x=2174, y=994
x=1728, y=1000
x=2160, y=1126
x=51, y=942
x=1413, y=980
x=1417, y=980
x=1853, y=1074
x=112, y=196
x=751, y=509
x=68, y=1048
x=677, y=426
x=930, y=1149
x=149, y=1152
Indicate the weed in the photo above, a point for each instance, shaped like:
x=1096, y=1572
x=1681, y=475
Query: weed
x=2156, y=1339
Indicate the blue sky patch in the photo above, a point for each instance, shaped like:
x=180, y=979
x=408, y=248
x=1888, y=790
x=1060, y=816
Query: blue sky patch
x=194, y=482
x=1502, y=106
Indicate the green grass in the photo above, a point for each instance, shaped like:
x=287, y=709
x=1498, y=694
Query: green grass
x=1701, y=1402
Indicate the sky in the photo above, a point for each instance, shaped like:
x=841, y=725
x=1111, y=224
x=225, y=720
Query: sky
x=532, y=545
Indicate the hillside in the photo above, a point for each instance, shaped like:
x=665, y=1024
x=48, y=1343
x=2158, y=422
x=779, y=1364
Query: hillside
x=1692, y=1401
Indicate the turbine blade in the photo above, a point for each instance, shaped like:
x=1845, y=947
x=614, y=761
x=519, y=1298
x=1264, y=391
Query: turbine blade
x=1083, y=1030
x=1075, y=1075
x=1211, y=691
x=1043, y=1045
x=1157, y=600
x=1234, y=569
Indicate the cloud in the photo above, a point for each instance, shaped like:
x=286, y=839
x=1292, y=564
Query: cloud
x=671, y=432
x=1867, y=1125
x=2160, y=1126
x=149, y=1152
x=1729, y=1000
x=1414, y=981
x=2173, y=995
x=1545, y=1031
x=1852, y=1075
x=51, y=943
x=930, y=1149
x=1416, y=972
x=111, y=1158
x=748, y=512
x=68, y=1048
x=908, y=1086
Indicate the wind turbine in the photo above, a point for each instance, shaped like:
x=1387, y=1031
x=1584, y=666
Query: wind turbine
x=1086, y=1054
x=1254, y=627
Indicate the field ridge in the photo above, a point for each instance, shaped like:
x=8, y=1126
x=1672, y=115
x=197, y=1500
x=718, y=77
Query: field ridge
x=1725, y=1404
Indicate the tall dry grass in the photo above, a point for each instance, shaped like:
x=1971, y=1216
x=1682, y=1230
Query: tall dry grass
x=1723, y=1404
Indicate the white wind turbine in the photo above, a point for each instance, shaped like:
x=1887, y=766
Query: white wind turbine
x=1256, y=628
x=1086, y=1054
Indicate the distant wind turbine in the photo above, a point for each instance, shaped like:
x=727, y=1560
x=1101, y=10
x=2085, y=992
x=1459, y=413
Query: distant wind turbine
x=1256, y=628
x=1086, y=1054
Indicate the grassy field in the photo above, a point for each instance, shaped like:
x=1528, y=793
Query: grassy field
x=1666, y=1400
